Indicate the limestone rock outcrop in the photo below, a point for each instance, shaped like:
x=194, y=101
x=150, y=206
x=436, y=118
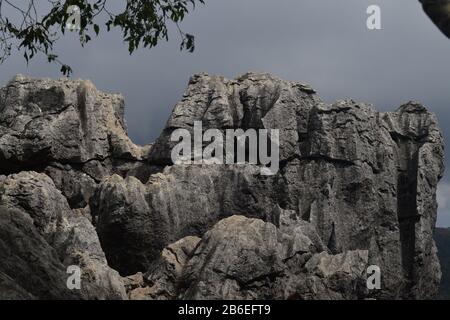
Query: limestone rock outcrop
x=245, y=258
x=355, y=187
x=67, y=129
x=41, y=236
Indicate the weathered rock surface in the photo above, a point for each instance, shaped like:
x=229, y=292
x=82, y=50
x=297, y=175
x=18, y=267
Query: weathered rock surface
x=244, y=258
x=355, y=187
x=41, y=236
x=67, y=129
x=162, y=281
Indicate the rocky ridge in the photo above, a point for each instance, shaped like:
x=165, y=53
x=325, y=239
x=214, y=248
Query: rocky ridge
x=355, y=188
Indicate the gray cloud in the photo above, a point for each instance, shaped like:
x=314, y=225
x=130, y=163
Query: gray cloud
x=321, y=42
x=443, y=200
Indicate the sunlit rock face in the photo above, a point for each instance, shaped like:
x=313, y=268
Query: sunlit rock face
x=355, y=188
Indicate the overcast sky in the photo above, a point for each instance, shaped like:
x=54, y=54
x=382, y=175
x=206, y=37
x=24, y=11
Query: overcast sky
x=321, y=42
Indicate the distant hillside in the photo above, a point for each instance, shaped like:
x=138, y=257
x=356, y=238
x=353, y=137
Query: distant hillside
x=442, y=237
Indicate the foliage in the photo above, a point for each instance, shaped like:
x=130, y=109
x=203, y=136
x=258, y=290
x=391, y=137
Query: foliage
x=142, y=23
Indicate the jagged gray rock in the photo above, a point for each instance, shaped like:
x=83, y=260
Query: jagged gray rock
x=355, y=187
x=365, y=180
x=243, y=258
x=41, y=236
x=251, y=101
x=68, y=129
x=162, y=280
x=127, y=230
x=10, y=290
x=171, y=206
x=29, y=266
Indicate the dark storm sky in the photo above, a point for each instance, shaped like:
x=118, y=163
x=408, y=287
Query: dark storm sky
x=322, y=42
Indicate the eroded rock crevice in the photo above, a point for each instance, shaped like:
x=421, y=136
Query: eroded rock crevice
x=407, y=209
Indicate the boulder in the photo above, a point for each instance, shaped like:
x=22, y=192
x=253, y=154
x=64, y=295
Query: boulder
x=41, y=237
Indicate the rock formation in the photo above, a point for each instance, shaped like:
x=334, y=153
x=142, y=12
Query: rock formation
x=355, y=188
